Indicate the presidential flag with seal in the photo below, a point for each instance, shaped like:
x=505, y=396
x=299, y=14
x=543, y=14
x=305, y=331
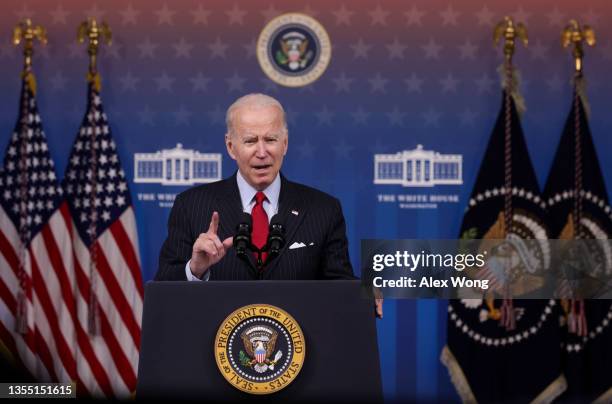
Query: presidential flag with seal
x=501, y=348
x=579, y=209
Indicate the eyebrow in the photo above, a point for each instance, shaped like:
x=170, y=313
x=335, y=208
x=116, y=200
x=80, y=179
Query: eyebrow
x=276, y=134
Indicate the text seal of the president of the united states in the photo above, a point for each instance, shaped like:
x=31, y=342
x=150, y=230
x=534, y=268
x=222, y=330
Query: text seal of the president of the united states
x=293, y=50
x=260, y=349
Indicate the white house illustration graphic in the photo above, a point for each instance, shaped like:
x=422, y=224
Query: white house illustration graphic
x=418, y=168
x=177, y=166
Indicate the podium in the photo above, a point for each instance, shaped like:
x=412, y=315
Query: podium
x=181, y=321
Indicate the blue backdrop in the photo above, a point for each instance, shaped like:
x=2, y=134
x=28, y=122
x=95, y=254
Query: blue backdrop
x=402, y=73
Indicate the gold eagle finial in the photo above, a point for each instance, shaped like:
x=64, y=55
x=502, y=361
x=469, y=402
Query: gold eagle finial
x=95, y=33
x=510, y=31
x=25, y=32
x=574, y=34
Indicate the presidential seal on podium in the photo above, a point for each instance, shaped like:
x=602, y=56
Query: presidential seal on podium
x=260, y=349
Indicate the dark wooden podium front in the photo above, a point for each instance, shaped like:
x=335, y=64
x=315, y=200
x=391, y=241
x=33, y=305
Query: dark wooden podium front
x=181, y=319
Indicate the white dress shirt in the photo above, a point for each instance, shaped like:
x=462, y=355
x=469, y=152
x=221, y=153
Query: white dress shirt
x=247, y=197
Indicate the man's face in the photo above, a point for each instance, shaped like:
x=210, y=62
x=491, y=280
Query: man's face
x=258, y=144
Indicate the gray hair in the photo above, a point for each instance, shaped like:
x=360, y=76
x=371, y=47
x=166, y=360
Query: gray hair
x=255, y=101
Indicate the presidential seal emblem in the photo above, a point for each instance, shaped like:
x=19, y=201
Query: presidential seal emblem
x=293, y=50
x=260, y=349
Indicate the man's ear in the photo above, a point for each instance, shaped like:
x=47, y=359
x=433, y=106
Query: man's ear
x=229, y=144
x=286, y=141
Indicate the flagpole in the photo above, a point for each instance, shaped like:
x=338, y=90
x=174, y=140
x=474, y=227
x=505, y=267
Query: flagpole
x=574, y=35
x=25, y=33
x=94, y=33
x=510, y=32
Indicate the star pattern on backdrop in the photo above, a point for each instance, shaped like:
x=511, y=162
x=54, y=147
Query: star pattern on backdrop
x=431, y=49
x=59, y=15
x=235, y=83
x=182, y=49
x=449, y=83
x=343, y=15
x=165, y=16
x=414, y=84
x=236, y=15
x=200, y=15
x=129, y=82
x=378, y=16
x=449, y=16
x=58, y=81
x=414, y=16
x=538, y=50
x=165, y=82
x=360, y=49
x=521, y=15
x=270, y=13
x=431, y=117
x=396, y=49
x=147, y=49
x=218, y=49
x=467, y=50
x=343, y=149
x=199, y=82
x=468, y=117
x=484, y=84
x=378, y=84
x=396, y=117
x=485, y=17
x=306, y=149
x=342, y=83
x=94, y=12
x=129, y=15
x=268, y=85
x=146, y=116
x=324, y=116
x=216, y=115
x=182, y=116
x=24, y=12
x=556, y=18
x=360, y=116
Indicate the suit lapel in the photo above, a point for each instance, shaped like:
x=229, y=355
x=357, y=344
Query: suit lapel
x=229, y=207
x=291, y=211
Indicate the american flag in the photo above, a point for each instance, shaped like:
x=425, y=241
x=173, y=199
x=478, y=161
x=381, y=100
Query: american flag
x=37, y=298
x=106, y=257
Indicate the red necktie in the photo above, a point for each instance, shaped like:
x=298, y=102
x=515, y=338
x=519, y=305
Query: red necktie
x=259, y=236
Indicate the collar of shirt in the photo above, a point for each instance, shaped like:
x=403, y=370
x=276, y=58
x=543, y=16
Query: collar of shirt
x=247, y=195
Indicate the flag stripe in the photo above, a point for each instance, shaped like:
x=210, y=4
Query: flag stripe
x=69, y=299
x=112, y=251
x=11, y=346
x=9, y=254
x=46, y=304
x=122, y=364
x=129, y=255
x=118, y=298
x=43, y=352
x=121, y=333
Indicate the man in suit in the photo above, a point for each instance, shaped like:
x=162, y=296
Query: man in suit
x=203, y=216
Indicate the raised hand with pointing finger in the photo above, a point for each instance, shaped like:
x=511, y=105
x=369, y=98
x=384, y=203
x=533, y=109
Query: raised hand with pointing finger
x=208, y=249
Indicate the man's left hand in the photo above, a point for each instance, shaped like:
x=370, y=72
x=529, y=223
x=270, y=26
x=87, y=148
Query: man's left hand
x=379, y=308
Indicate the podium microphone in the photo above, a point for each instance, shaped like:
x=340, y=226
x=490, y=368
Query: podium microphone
x=276, y=237
x=242, y=239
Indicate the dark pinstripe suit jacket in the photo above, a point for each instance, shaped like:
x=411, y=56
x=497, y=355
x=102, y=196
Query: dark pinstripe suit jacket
x=319, y=220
